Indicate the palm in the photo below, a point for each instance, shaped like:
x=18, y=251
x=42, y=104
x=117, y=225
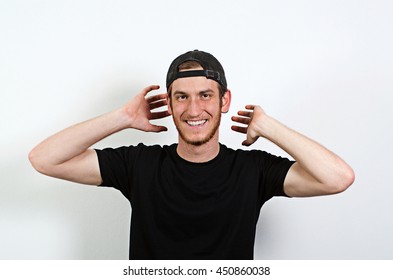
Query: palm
x=248, y=118
x=139, y=110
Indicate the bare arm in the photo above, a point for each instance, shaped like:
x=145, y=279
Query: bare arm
x=317, y=170
x=67, y=154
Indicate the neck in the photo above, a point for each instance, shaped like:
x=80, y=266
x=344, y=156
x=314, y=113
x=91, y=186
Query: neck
x=200, y=153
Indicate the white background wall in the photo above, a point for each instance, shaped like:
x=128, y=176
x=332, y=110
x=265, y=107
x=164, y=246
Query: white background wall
x=324, y=68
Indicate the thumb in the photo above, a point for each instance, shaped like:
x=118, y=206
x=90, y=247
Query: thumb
x=157, y=128
x=246, y=143
x=249, y=141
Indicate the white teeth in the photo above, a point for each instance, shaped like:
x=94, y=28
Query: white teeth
x=196, y=123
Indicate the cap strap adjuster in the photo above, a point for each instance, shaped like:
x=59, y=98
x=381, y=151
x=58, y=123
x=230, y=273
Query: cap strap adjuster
x=209, y=74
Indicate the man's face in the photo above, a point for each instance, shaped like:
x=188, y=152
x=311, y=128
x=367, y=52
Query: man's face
x=196, y=107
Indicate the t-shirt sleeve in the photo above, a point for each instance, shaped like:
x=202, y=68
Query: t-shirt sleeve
x=116, y=165
x=274, y=169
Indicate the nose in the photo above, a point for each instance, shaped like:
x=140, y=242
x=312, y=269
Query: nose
x=195, y=107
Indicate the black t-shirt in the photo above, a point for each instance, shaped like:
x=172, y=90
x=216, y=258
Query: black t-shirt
x=185, y=210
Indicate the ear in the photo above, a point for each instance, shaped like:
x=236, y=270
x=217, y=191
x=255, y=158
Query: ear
x=226, y=101
x=168, y=100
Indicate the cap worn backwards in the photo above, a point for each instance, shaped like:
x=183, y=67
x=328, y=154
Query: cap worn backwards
x=212, y=68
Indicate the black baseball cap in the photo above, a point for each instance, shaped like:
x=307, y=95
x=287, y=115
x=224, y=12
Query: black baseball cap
x=212, y=68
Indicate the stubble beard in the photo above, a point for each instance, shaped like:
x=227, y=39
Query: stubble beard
x=199, y=142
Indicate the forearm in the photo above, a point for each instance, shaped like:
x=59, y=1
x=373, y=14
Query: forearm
x=67, y=154
x=75, y=140
x=324, y=166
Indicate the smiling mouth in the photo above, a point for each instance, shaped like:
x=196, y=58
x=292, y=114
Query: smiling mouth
x=196, y=123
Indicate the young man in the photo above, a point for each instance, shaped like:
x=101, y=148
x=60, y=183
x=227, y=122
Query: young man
x=196, y=199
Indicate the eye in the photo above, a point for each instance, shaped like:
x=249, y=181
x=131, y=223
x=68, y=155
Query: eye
x=181, y=97
x=205, y=96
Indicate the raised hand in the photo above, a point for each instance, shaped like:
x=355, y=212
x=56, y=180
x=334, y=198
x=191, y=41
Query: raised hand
x=67, y=154
x=252, y=119
x=139, y=110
